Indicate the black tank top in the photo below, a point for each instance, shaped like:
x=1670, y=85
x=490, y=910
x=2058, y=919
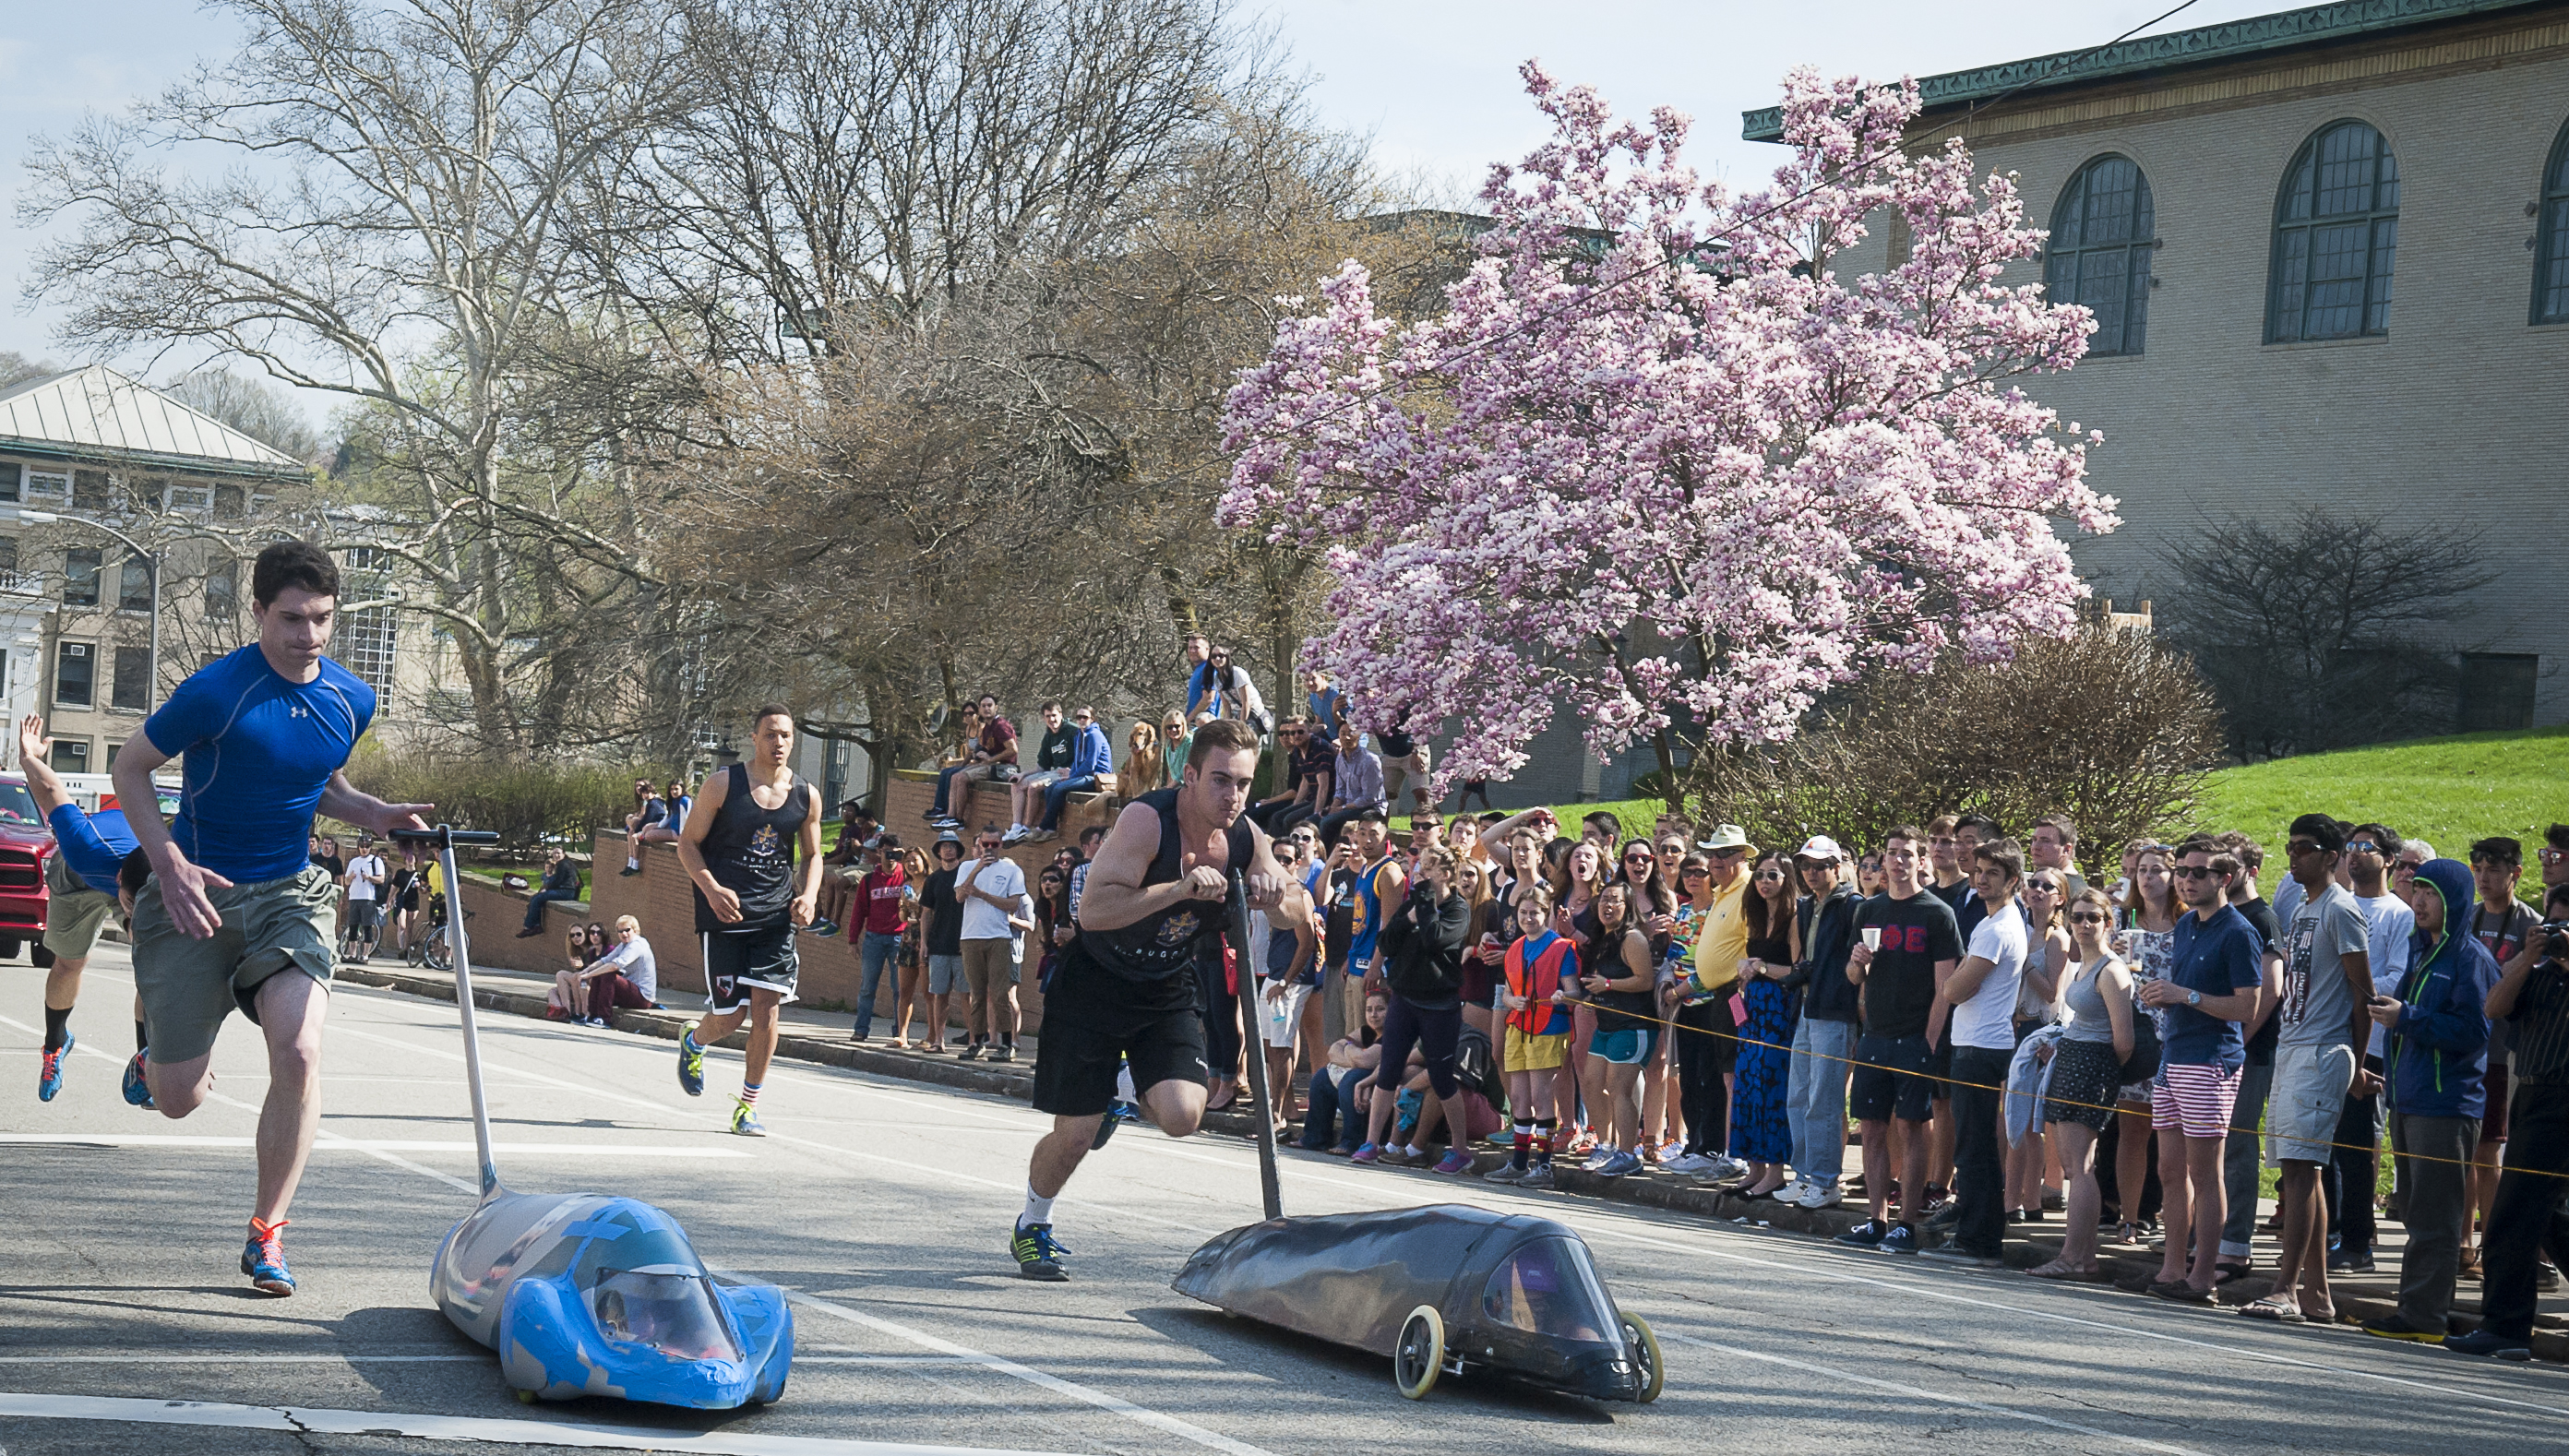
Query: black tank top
x=750, y=852
x=1163, y=948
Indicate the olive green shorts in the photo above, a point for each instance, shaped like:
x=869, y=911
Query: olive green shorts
x=189, y=986
x=74, y=912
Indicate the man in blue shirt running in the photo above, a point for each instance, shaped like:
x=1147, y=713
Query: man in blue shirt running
x=235, y=914
x=80, y=890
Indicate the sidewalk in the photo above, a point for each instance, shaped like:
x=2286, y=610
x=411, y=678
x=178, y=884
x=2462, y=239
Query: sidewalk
x=823, y=1037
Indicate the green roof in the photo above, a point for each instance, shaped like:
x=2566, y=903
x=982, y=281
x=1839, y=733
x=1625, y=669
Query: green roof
x=2229, y=41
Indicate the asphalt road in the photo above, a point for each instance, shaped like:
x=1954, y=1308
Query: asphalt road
x=885, y=1206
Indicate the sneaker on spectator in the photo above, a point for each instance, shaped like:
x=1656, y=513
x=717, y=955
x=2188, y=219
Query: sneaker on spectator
x=1602, y=1155
x=1016, y=832
x=1948, y=1216
x=1506, y=1173
x=1867, y=1235
x=1620, y=1165
x=2350, y=1260
x=1821, y=1196
x=1900, y=1239
x=1688, y=1163
x=1456, y=1159
x=1365, y=1154
x=2391, y=1326
x=1539, y=1176
x=1951, y=1253
x=1668, y=1152
x=2487, y=1342
x=1791, y=1192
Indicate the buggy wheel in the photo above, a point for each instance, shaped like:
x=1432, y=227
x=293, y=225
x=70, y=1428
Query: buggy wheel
x=1644, y=1349
x=1420, y=1355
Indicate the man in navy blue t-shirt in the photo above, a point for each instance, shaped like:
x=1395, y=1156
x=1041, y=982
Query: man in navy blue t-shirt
x=2216, y=980
x=235, y=914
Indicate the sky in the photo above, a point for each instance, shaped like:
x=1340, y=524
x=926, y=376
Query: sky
x=1432, y=83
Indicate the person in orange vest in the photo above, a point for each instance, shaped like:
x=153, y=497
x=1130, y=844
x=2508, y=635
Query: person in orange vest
x=1538, y=966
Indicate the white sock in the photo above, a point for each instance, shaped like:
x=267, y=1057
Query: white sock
x=1038, y=1208
x=1124, y=1085
x=631, y=863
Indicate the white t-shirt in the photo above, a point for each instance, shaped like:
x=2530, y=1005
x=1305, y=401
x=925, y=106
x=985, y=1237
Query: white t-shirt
x=1987, y=1019
x=2387, y=924
x=361, y=887
x=634, y=958
x=984, y=920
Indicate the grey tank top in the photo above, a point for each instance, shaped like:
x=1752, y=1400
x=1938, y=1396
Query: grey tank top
x=2085, y=1003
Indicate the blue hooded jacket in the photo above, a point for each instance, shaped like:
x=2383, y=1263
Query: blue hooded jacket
x=2440, y=1045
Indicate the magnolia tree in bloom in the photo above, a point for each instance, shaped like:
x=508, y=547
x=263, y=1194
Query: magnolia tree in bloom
x=1659, y=461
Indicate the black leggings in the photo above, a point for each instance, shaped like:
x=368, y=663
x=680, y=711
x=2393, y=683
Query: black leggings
x=1700, y=1093
x=1220, y=1018
x=1434, y=1033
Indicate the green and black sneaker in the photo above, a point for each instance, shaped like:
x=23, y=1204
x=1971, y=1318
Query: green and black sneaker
x=691, y=1063
x=1038, y=1252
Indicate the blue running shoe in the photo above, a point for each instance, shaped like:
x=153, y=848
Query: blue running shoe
x=49, y=1069
x=138, y=1091
x=691, y=1062
x=744, y=1121
x=263, y=1258
x=1038, y=1252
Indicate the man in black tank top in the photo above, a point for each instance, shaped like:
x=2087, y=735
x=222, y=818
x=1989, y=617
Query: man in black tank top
x=1156, y=902
x=752, y=846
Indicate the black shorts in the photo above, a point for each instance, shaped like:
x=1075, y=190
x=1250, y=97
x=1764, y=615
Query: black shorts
x=1075, y=1064
x=738, y=960
x=409, y=901
x=364, y=914
x=1891, y=1079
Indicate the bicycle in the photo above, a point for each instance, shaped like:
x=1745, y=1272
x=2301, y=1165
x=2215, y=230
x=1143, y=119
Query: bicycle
x=430, y=949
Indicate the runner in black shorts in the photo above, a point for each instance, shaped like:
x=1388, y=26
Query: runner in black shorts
x=1156, y=899
x=740, y=847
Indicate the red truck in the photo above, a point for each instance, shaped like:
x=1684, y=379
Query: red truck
x=25, y=842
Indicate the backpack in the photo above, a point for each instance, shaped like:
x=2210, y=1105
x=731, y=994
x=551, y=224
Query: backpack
x=1476, y=1066
x=2144, y=1063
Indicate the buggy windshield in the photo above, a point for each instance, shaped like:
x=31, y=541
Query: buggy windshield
x=671, y=1313
x=1549, y=1288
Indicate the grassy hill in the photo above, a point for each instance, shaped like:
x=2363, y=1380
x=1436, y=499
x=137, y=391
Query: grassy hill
x=2449, y=790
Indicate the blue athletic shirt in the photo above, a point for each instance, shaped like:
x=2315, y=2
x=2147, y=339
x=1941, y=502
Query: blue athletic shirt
x=92, y=845
x=259, y=751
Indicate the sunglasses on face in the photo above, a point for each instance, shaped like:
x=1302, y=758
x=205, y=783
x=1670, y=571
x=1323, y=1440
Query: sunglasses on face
x=2089, y=917
x=2196, y=871
x=1694, y=870
x=2364, y=847
x=1641, y=860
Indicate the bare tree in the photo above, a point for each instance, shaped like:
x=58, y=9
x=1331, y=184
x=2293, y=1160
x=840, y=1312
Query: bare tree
x=254, y=407
x=390, y=230
x=2325, y=629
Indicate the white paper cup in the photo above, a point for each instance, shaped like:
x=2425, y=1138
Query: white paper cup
x=1873, y=938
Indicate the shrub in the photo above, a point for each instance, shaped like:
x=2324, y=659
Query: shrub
x=2108, y=727
x=527, y=803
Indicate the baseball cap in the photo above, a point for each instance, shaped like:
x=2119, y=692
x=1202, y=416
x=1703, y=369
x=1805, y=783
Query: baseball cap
x=1820, y=849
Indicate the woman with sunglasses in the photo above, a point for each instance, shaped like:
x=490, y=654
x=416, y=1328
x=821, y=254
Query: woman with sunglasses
x=1759, y=1135
x=1485, y=945
x=1702, y=1091
x=1617, y=972
x=2038, y=1005
x=1869, y=879
x=1653, y=910
x=2145, y=939
x=2087, y=1076
x=1582, y=874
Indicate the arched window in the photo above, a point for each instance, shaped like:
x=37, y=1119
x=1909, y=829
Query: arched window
x=2100, y=253
x=2551, y=239
x=2336, y=229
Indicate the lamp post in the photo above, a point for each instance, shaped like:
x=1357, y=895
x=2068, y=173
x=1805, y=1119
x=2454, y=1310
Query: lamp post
x=151, y=566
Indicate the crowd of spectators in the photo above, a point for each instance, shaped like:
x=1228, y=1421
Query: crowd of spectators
x=2015, y=1043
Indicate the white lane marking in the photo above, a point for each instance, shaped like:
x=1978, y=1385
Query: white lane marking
x=307, y=1420
x=1143, y=1415
x=368, y=1145
x=330, y=1360
x=775, y=1136
x=347, y=1360
x=320, y=1137
x=1072, y=1388
x=1921, y=1393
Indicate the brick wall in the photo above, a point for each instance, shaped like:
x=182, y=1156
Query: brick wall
x=2452, y=421
x=664, y=901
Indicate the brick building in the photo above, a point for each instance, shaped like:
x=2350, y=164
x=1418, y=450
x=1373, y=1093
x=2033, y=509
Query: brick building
x=2236, y=203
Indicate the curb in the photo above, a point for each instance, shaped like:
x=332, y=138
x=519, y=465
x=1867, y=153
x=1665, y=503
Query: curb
x=1667, y=1192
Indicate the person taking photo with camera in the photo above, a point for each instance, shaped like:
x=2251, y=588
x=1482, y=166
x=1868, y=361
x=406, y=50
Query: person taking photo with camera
x=2531, y=1212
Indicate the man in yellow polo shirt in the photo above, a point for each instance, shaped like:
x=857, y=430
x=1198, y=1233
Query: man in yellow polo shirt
x=1720, y=945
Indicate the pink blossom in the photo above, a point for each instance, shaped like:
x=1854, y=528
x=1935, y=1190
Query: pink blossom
x=1693, y=470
